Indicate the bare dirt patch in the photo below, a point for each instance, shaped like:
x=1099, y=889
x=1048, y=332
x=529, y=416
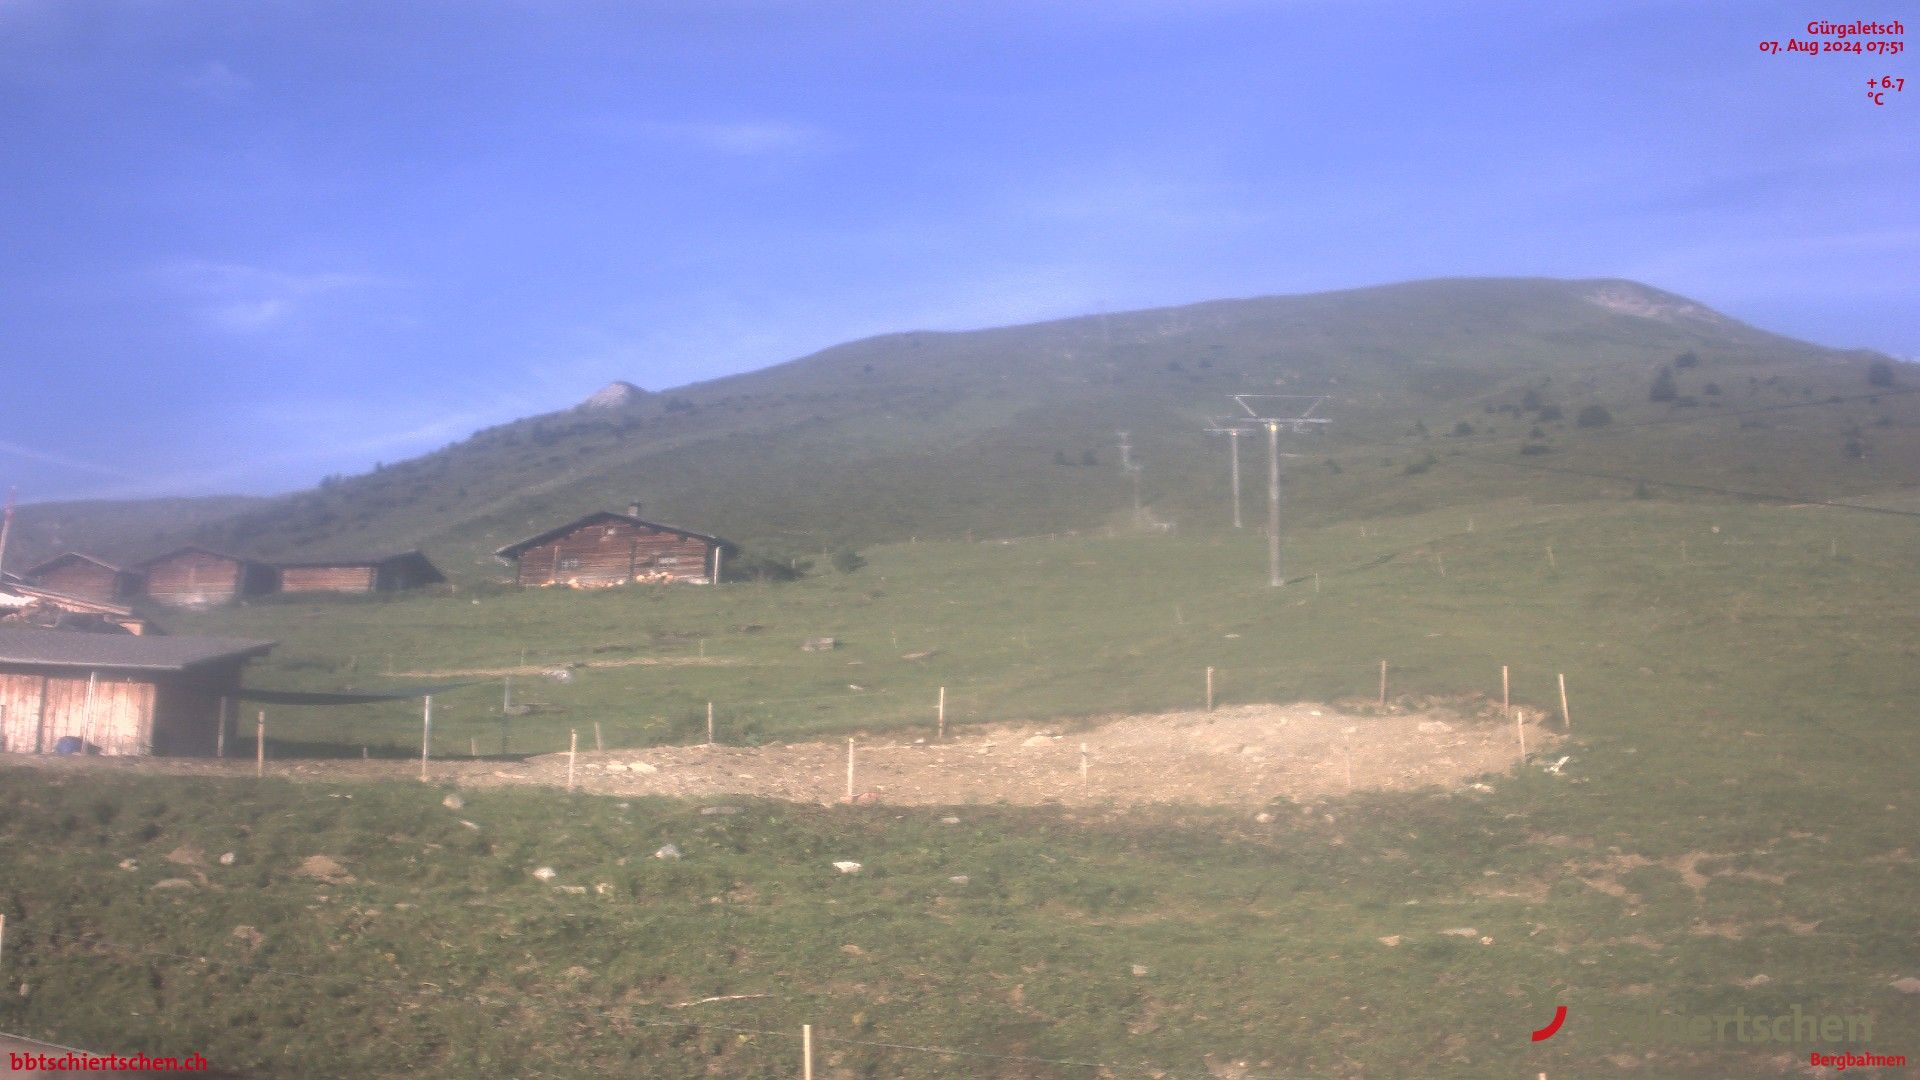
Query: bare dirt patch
x=1247, y=755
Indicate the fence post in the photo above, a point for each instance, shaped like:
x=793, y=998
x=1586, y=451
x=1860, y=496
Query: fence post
x=260, y=744
x=573, y=747
x=806, y=1052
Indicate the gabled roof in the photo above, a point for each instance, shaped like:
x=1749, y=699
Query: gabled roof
x=33, y=571
x=512, y=551
x=64, y=649
x=198, y=550
x=66, y=600
x=363, y=560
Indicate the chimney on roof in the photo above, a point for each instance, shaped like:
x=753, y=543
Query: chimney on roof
x=633, y=509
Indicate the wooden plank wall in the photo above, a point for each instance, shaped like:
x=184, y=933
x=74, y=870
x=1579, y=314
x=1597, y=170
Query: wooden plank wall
x=20, y=712
x=611, y=553
x=345, y=579
x=122, y=713
x=78, y=577
x=193, y=578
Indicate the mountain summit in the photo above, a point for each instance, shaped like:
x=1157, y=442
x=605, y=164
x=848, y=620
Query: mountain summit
x=614, y=395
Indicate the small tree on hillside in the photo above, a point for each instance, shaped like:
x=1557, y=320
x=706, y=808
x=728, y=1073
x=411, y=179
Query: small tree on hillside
x=1664, y=388
x=1880, y=373
x=1593, y=416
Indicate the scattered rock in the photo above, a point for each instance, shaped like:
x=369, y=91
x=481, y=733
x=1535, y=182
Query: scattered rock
x=252, y=938
x=719, y=811
x=668, y=852
x=559, y=675
x=1435, y=727
x=921, y=655
x=853, y=950
x=129, y=864
x=1390, y=941
x=616, y=766
x=603, y=888
x=1039, y=740
x=186, y=856
x=227, y=858
x=1486, y=941
x=469, y=824
x=1757, y=980
x=959, y=879
x=1139, y=971
x=1908, y=985
x=453, y=802
x=1263, y=818
x=1461, y=931
x=847, y=866
x=326, y=869
x=640, y=767
x=573, y=890
x=173, y=883
x=949, y=821
x=545, y=873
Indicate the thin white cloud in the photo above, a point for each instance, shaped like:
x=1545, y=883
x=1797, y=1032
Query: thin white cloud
x=217, y=82
x=44, y=457
x=741, y=138
x=243, y=299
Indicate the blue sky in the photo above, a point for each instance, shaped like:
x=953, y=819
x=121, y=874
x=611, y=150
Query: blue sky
x=246, y=244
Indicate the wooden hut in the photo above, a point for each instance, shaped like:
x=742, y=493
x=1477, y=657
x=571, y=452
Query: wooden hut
x=612, y=549
x=377, y=573
x=198, y=577
x=77, y=574
x=116, y=693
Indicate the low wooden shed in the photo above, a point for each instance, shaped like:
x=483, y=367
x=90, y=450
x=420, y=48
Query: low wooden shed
x=34, y=605
x=612, y=549
x=118, y=694
x=82, y=575
x=373, y=573
x=199, y=577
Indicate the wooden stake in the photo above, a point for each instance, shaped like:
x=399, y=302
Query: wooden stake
x=220, y=733
x=1565, y=716
x=1209, y=689
x=426, y=733
x=940, y=722
x=600, y=745
x=1520, y=729
x=1083, y=766
x=260, y=744
x=1316, y=582
x=1551, y=561
x=1383, y=682
x=709, y=723
x=849, y=770
x=573, y=747
x=3, y=935
x=473, y=746
x=806, y=1052
x=365, y=753
x=1440, y=561
x=1506, y=698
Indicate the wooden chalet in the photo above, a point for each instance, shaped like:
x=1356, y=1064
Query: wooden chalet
x=22, y=604
x=115, y=693
x=198, y=577
x=380, y=573
x=612, y=549
x=77, y=574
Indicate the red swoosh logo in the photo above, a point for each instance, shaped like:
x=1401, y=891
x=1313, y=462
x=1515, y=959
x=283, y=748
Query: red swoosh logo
x=1545, y=1033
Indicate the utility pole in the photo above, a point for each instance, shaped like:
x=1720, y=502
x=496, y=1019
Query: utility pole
x=1227, y=427
x=1273, y=503
x=1298, y=420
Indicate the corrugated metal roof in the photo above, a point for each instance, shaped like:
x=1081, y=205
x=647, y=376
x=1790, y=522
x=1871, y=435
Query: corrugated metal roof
x=42, y=568
x=68, y=649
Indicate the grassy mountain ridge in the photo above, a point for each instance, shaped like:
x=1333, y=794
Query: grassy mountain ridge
x=1012, y=430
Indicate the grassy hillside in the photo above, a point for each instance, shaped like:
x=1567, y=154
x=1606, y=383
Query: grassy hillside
x=936, y=435
x=1734, y=829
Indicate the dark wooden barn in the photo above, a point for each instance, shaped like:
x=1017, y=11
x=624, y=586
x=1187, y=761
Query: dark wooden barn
x=116, y=693
x=76, y=574
x=378, y=573
x=612, y=549
x=197, y=577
